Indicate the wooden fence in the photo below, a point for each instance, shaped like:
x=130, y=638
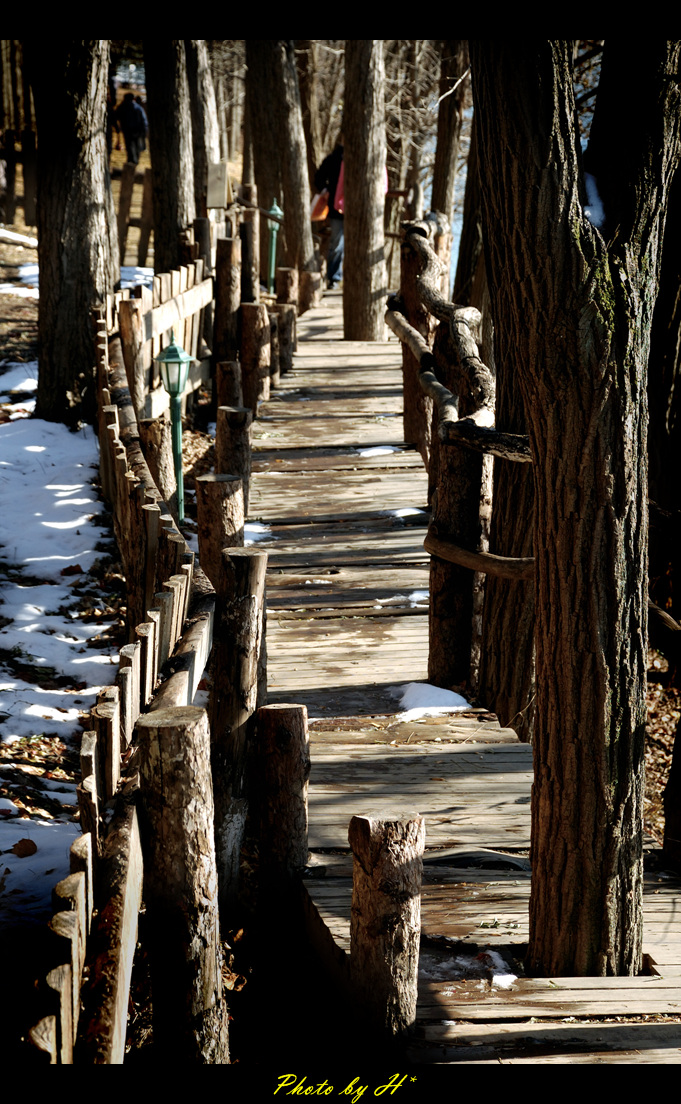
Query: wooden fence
x=173, y=611
x=444, y=363
x=147, y=747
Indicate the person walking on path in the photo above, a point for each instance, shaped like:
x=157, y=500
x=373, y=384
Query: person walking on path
x=132, y=120
x=327, y=178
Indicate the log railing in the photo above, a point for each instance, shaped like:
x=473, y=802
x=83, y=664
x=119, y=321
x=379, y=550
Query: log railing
x=462, y=390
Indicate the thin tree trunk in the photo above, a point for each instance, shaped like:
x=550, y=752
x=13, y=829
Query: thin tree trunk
x=364, y=272
x=205, y=130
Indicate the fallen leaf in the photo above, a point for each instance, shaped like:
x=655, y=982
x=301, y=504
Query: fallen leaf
x=24, y=847
x=74, y=569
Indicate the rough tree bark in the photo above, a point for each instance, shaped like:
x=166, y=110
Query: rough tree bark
x=205, y=130
x=453, y=87
x=578, y=304
x=78, y=240
x=364, y=273
x=170, y=146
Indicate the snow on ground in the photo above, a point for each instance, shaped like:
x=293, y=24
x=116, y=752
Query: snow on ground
x=28, y=274
x=420, y=699
x=487, y=965
x=48, y=542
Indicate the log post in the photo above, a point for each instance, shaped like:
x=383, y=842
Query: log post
x=250, y=216
x=124, y=201
x=385, y=927
x=238, y=641
x=228, y=384
x=287, y=285
x=220, y=518
x=146, y=219
x=275, y=360
x=255, y=354
x=190, y=1016
x=309, y=290
x=456, y=513
x=156, y=437
x=287, y=334
x=233, y=445
x=284, y=770
x=227, y=299
x=250, y=284
x=418, y=407
x=456, y=516
x=130, y=315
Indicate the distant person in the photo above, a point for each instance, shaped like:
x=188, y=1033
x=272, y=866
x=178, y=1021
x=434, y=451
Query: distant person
x=132, y=120
x=328, y=178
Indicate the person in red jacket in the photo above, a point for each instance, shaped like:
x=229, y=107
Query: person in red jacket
x=326, y=179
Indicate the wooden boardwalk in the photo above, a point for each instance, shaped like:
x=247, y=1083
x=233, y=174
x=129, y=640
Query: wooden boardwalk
x=345, y=503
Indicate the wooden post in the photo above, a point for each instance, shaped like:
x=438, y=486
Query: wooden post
x=250, y=216
x=130, y=314
x=156, y=438
x=190, y=1016
x=418, y=407
x=220, y=517
x=250, y=284
x=287, y=334
x=233, y=445
x=228, y=383
x=202, y=236
x=284, y=770
x=255, y=354
x=309, y=290
x=146, y=219
x=124, y=201
x=30, y=174
x=238, y=642
x=227, y=299
x=287, y=285
x=385, y=927
x=275, y=364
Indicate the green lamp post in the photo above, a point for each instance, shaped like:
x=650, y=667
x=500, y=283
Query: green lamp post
x=174, y=364
x=276, y=212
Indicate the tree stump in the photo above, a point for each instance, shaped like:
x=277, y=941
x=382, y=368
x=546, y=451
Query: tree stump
x=190, y=1016
x=233, y=445
x=255, y=354
x=287, y=334
x=237, y=691
x=228, y=383
x=227, y=299
x=220, y=517
x=385, y=927
x=287, y=285
x=284, y=758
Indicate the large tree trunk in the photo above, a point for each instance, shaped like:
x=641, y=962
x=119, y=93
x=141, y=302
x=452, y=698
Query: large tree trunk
x=78, y=241
x=205, y=130
x=263, y=134
x=364, y=274
x=170, y=145
x=578, y=309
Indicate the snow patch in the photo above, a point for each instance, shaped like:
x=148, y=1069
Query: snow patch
x=420, y=699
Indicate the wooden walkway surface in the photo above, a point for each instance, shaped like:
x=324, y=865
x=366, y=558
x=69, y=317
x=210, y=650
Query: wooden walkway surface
x=345, y=502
